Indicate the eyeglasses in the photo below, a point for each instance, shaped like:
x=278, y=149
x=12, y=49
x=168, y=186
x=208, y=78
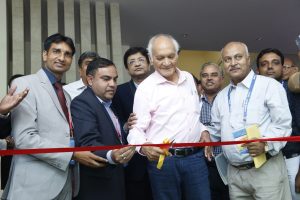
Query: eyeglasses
x=138, y=61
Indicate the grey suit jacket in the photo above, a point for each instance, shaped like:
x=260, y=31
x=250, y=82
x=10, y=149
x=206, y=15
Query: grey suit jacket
x=38, y=122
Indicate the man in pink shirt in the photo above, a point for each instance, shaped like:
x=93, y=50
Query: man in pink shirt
x=167, y=108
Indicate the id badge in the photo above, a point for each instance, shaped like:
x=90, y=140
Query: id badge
x=72, y=144
x=240, y=135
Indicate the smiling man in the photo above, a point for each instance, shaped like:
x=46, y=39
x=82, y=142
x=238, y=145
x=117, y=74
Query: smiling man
x=167, y=107
x=42, y=120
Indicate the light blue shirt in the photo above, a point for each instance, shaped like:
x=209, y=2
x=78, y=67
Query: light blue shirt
x=268, y=108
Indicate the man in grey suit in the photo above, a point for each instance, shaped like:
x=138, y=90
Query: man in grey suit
x=42, y=120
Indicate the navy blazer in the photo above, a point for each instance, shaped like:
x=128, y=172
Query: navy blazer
x=5, y=127
x=123, y=100
x=123, y=105
x=94, y=127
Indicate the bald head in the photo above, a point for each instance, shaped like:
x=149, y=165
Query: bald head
x=236, y=61
x=289, y=68
x=229, y=44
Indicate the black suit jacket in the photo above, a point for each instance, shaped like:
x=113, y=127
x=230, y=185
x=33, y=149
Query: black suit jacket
x=5, y=127
x=123, y=100
x=123, y=105
x=94, y=127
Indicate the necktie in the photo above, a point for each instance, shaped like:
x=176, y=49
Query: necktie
x=61, y=98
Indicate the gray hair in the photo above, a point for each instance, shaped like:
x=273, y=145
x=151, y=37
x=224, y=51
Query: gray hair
x=151, y=41
x=241, y=43
x=211, y=64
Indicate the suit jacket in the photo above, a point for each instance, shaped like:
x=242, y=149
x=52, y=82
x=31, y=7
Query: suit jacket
x=123, y=100
x=38, y=122
x=123, y=105
x=94, y=127
x=5, y=127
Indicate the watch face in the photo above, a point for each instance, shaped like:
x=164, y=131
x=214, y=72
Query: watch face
x=298, y=42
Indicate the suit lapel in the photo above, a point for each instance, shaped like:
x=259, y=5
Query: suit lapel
x=46, y=84
x=98, y=103
x=132, y=87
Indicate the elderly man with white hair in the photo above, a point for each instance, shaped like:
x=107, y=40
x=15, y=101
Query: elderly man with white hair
x=167, y=109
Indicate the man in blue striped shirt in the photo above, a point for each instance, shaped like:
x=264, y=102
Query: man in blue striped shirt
x=211, y=80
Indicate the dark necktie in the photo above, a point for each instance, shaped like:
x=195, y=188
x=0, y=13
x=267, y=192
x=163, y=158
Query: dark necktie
x=61, y=98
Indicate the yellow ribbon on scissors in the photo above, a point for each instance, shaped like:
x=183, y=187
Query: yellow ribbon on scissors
x=162, y=156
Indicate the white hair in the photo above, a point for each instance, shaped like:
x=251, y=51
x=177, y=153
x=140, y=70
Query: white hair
x=151, y=41
x=241, y=43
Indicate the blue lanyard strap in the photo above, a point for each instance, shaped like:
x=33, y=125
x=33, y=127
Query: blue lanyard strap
x=246, y=101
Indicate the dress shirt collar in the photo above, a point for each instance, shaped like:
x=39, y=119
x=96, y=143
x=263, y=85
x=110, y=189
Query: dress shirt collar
x=80, y=84
x=135, y=84
x=204, y=98
x=105, y=103
x=50, y=76
x=247, y=80
x=160, y=79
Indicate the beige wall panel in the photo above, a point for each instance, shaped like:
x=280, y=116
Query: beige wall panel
x=52, y=9
x=116, y=44
x=35, y=36
x=101, y=29
x=3, y=49
x=85, y=25
x=70, y=32
x=126, y=75
x=18, y=59
x=191, y=61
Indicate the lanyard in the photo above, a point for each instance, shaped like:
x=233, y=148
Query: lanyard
x=246, y=101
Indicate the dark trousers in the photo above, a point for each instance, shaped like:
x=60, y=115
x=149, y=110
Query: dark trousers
x=138, y=189
x=5, y=167
x=218, y=190
x=180, y=178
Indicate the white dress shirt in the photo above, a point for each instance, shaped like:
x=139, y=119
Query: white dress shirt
x=166, y=110
x=267, y=107
x=75, y=88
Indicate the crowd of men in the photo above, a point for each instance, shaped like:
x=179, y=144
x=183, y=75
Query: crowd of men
x=159, y=105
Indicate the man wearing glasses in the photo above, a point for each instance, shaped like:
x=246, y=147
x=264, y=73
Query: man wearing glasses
x=137, y=64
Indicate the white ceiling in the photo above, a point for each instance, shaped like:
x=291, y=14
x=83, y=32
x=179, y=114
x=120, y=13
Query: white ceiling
x=209, y=24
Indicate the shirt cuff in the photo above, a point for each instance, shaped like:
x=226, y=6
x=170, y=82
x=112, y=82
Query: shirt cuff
x=4, y=116
x=109, y=158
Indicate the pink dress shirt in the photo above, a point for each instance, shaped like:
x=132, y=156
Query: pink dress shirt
x=166, y=110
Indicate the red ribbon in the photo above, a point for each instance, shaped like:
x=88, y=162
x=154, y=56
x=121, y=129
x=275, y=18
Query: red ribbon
x=97, y=148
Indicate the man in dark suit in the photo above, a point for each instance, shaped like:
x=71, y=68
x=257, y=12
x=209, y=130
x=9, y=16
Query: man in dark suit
x=137, y=64
x=95, y=124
